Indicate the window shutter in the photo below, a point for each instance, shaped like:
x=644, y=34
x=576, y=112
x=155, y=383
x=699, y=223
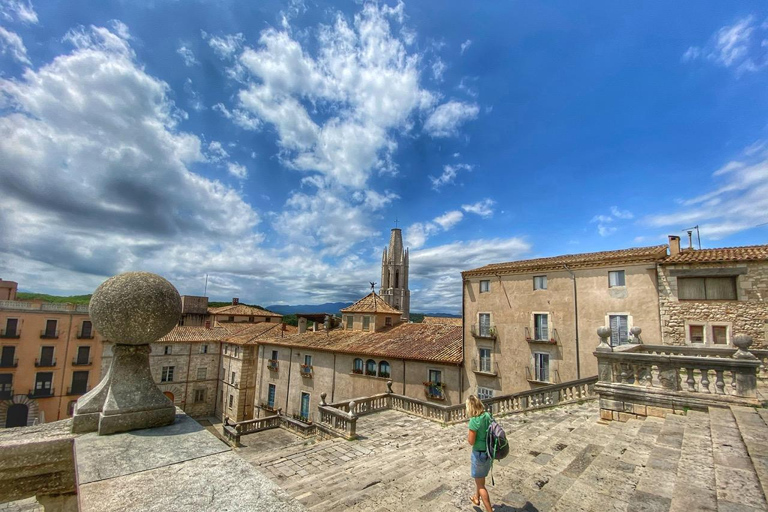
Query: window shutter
x=691, y=288
x=623, y=329
x=721, y=288
x=614, y=320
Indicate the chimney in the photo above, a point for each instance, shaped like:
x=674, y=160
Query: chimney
x=690, y=240
x=302, y=325
x=674, y=245
x=207, y=324
x=235, y=301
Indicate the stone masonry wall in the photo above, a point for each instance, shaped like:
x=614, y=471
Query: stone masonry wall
x=747, y=315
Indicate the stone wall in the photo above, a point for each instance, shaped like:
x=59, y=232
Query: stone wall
x=747, y=315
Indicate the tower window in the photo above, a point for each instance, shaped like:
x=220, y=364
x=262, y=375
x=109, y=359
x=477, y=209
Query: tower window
x=397, y=279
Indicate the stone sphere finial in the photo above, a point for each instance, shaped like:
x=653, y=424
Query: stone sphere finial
x=135, y=308
x=322, y=398
x=603, y=332
x=636, y=331
x=389, y=386
x=742, y=342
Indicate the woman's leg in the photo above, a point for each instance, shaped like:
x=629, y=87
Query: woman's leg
x=482, y=493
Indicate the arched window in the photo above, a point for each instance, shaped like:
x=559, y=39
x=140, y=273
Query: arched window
x=384, y=369
x=370, y=367
x=358, y=367
x=397, y=279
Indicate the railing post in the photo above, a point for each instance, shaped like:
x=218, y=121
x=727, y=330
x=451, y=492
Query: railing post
x=746, y=379
x=352, y=423
x=604, y=367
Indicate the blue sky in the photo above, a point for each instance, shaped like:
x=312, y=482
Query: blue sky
x=273, y=144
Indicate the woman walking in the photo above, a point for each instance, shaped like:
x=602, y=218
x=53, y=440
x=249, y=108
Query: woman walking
x=481, y=462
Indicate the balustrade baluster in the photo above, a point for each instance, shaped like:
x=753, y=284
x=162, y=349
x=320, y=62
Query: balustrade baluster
x=719, y=384
x=691, y=381
x=705, y=380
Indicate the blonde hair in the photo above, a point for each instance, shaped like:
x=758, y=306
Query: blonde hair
x=474, y=406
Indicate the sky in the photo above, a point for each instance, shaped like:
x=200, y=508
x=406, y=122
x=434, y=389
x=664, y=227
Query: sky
x=273, y=145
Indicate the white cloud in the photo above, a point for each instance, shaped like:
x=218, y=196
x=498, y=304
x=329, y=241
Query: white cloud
x=18, y=10
x=438, y=68
x=482, y=208
x=446, y=119
x=621, y=214
x=216, y=151
x=604, y=227
x=237, y=170
x=187, y=56
x=465, y=45
x=449, y=175
x=11, y=44
x=195, y=101
x=416, y=234
x=449, y=219
x=738, y=46
x=225, y=47
x=239, y=117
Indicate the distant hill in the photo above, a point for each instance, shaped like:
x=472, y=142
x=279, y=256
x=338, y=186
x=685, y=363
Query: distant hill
x=72, y=299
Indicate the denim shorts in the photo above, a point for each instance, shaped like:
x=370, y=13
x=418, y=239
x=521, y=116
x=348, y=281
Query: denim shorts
x=481, y=464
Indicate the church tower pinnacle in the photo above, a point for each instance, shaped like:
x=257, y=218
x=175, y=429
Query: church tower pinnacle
x=394, y=275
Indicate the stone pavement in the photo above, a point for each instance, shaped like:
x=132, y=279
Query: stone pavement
x=561, y=460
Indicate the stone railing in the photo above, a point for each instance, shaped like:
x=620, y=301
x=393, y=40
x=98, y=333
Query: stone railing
x=654, y=380
x=43, y=306
x=337, y=422
x=233, y=431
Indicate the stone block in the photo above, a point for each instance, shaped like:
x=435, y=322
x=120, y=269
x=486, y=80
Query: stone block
x=606, y=414
x=658, y=412
x=613, y=405
x=640, y=410
x=626, y=416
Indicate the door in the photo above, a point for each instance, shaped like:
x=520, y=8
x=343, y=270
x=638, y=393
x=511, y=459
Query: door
x=83, y=355
x=11, y=325
x=17, y=416
x=50, y=328
x=8, y=356
x=46, y=356
x=79, y=383
x=271, y=397
x=305, y=405
x=43, y=384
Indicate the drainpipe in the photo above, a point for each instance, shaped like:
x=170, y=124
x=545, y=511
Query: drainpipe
x=576, y=317
x=404, y=377
x=288, y=390
x=186, y=382
x=333, y=381
x=64, y=366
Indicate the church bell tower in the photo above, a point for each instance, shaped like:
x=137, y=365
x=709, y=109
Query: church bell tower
x=394, y=275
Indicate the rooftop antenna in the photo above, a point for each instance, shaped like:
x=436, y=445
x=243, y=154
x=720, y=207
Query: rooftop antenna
x=698, y=236
x=373, y=291
x=205, y=290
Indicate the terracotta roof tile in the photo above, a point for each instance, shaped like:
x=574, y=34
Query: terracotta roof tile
x=721, y=254
x=652, y=254
x=371, y=303
x=441, y=320
x=253, y=332
x=241, y=310
x=420, y=342
x=191, y=334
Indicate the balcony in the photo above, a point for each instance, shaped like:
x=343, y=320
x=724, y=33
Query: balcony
x=273, y=365
x=485, y=367
x=81, y=362
x=434, y=390
x=306, y=370
x=49, y=335
x=6, y=394
x=487, y=332
x=14, y=334
x=269, y=408
x=85, y=335
x=45, y=363
x=40, y=393
x=78, y=390
x=9, y=363
x=542, y=338
x=371, y=373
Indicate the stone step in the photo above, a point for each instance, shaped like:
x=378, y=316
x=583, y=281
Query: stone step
x=694, y=487
x=736, y=482
x=754, y=434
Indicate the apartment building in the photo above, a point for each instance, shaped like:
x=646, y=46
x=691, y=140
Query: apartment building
x=50, y=354
x=533, y=322
x=237, y=312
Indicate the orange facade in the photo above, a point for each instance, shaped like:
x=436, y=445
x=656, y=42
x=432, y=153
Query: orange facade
x=50, y=355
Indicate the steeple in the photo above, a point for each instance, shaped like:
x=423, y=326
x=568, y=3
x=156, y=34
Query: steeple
x=394, y=274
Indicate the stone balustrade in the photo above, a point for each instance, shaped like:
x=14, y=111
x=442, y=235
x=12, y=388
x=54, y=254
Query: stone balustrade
x=655, y=380
x=337, y=422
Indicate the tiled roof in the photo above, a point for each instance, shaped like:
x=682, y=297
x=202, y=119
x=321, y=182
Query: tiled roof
x=189, y=334
x=420, y=342
x=652, y=254
x=253, y=333
x=722, y=254
x=447, y=320
x=371, y=303
x=242, y=310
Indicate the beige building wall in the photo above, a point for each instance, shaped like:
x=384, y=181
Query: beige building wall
x=378, y=321
x=512, y=303
x=28, y=343
x=252, y=319
x=746, y=315
x=238, y=391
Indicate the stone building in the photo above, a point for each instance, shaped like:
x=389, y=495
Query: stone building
x=707, y=296
x=371, y=313
x=8, y=290
x=237, y=312
x=532, y=322
x=50, y=354
x=394, y=275
x=422, y=360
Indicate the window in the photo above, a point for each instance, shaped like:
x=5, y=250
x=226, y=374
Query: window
x=168, y=350
x=485, y=286
x=706, y=288
x=231, y=319
x=307, y=360
x=366, y=323
x=274, y=355
x=720, y=334
x=86, y=329
x=83, y=355
x=384, y=369
x=6, y=385
x=199, y=396
x=541, y=366
x=397, y=279
x=11, y=327
x=616, y=278
x=8, y=357
x=236, y=351
x=539, y=282
x=226, y=349
x=203, y=349
x=46, y=357
x=43, y=383
x=484, y=355
x=202, y=373
x=619, y=329
x=250, y=319
x=231, y=400
x=271, y=396
x=50, y=328
x=484, y=319
x=79, y=383
x=434, y=387
x=541, y=326
x=696, y=333
x=232, y=378
x=388, y=321
x=436, y=376
x=370, y=367
x=357, y=366
x=167, y=374
x=350, y=320
x=484, y=393
x=304, y=410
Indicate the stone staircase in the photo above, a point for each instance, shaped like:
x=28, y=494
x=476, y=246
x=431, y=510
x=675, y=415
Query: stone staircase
x=561, y=460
